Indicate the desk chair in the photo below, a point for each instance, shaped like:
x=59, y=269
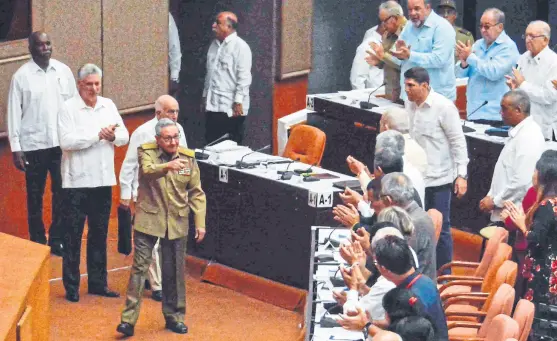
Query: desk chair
x=306, y=144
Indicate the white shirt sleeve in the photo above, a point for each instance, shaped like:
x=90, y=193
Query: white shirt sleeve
x=243, y=74
x=360, y=68
x=121, y=133
x=364, y=209
x=174, y=49
x=128, y=172
x=14, y=115
x=452, y=126
x=72, y=137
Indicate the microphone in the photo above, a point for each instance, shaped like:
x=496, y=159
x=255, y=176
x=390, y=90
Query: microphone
x=367, y=105
x=468, y=129
x=287, y=175
x=302, y=171
x=202, y=155
x=240, y=164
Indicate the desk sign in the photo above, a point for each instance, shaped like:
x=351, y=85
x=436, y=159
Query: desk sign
x=320, y=199
x=309, y=103
x=223, y=174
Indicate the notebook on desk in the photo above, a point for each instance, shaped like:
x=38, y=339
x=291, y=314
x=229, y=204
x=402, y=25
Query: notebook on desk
x=352, y=184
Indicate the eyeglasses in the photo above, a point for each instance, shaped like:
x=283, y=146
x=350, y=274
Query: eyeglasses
x=531, y=37
x=169, y=139
x=385, y=21
x=486, y=26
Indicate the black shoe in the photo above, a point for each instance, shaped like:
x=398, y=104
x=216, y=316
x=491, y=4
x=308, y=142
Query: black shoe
x=157, y=295
x=177, y=327
x=147, y=285
x=56, y=248
x=72, y=296
x=104, y=292
x=125, y=328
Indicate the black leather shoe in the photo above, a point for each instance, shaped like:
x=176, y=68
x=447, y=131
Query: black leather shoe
x=72, y=296
x=157, y=295
x=125, y=328
x=177, y=327
x=104, y=292
x=56, y=248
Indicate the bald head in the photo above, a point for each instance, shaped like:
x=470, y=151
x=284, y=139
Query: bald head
x=385, y=335
x=225, y=24
x=40, y=47
x=166, y=106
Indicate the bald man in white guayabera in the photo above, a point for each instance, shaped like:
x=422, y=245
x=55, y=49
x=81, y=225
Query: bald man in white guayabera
x=165, y=107
x=536, y=68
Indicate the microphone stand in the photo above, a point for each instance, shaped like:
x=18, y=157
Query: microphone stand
x=367, y=105
x=287, y=175
x=202, y=155
x=240, y=164
x=468, y=129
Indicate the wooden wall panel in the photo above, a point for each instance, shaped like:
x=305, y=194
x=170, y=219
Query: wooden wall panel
x=295, y=43
x=135, y=51
x=75, y=32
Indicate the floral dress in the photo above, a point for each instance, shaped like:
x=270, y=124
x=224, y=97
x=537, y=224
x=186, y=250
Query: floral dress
x=540, y=265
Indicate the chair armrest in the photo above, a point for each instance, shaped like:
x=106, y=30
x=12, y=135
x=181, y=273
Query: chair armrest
x=454, y=300
x=468, y=294
x=456, y=264
x=463, y=324
x=444, y=278
x=479, y=314
x=470, y=283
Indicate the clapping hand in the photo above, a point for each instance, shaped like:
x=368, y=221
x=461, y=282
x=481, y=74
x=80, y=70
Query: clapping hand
x=354, y=320
x=517, y=215
x=177, y=164
x=378, y=49
x=107, y=133
x=362, y=237
x=346, y=215
x=350, y=197
x=463, y=51
x=356, y=166
x=402, y=51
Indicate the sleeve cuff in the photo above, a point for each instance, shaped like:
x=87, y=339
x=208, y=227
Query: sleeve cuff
x=125, y=193
x=498, y=201
x=472, y=60
x=174, y=74
x=16, y=147
x=462, y=170
x=238, y=98
x=199, y=221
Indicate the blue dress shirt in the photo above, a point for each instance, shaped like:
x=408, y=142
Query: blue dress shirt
x=487, y=67
x=432, y=47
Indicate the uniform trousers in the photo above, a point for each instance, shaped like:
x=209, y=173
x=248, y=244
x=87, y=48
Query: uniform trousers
x=173, y=277
x=155, y=268
x=218, y=124
x=39, y=164
x=94, y=205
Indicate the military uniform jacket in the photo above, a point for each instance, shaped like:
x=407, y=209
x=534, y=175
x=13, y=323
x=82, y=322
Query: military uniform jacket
x=165, y=198
x=463, y=36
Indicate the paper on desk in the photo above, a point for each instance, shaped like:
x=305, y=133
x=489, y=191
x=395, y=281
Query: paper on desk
x=337, y=333
x=224, y=146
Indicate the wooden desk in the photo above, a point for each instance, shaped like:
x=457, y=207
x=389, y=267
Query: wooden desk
x=24, y=290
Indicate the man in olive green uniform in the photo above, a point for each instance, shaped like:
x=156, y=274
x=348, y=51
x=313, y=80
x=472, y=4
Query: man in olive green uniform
x=169, y=188
x=393, y=21
x=447, y=10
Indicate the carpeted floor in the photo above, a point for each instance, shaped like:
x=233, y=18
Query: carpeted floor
x=213, y=313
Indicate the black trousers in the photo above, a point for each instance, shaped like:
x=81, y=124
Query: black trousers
x=94, y=205
x=40, y=163
x=218, y=124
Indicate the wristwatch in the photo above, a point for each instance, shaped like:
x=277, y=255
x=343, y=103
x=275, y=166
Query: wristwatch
x=465, y=177
x=366, y=330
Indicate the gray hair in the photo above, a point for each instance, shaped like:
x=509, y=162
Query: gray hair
x=163, y=123
x=519, y=99
x=392, y=8
x=382, y=233
x=399, y=187
x=389, y=159
x=497, y=14
x=391, y=139
x=397, y=119
x=545, y=28
x=399, y=217
x=88, y=70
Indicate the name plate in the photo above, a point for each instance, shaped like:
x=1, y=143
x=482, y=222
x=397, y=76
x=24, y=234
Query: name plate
x=223, y=174
x=310, y=103
x=320, y=199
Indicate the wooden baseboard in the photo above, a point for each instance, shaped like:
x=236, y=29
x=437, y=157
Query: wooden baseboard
x=256, y=287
